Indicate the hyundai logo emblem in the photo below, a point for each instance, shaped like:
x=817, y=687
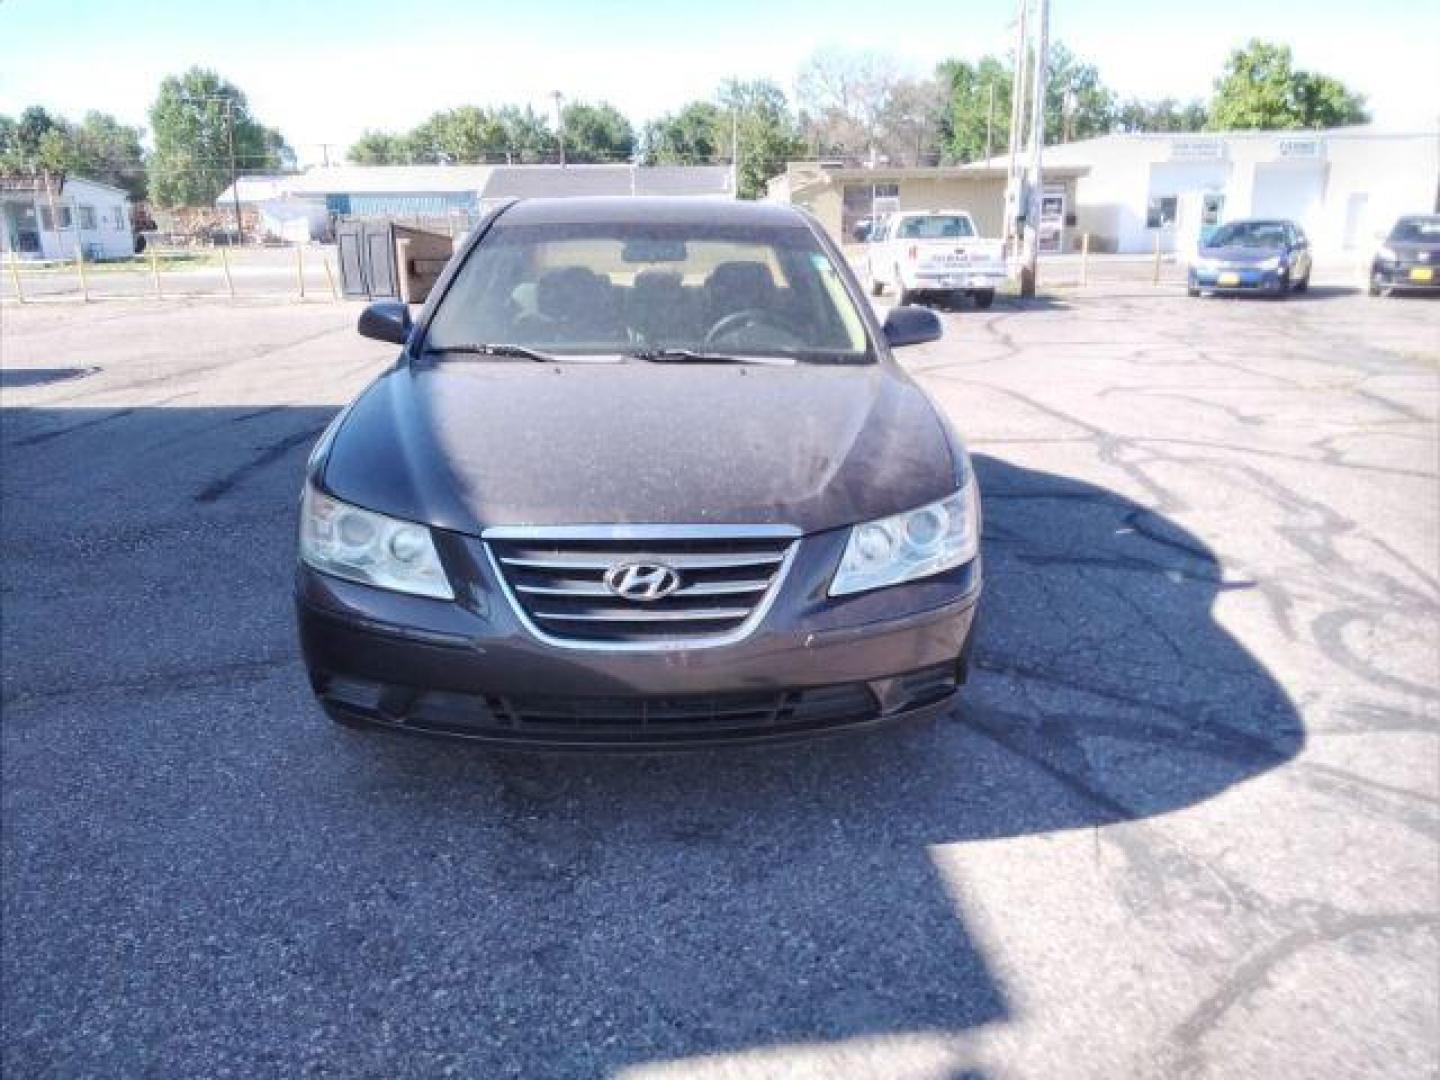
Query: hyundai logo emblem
x=641, y=581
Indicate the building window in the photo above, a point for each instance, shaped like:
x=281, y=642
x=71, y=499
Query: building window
x=887, y=191
x=87, y=217
x=1161, y=214
x=118, y=218
x=47, y=221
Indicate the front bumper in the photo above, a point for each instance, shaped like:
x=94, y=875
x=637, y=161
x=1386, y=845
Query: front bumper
x=472, y=669
x=1405, y=275
x=1237, y=279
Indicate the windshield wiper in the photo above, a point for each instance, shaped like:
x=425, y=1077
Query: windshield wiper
x=698, y=356
x=518, y=352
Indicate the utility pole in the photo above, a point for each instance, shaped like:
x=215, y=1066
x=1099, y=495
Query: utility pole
x=735, y=150
x=990, y=125
x=234, y=176
x=1030, y=261
x=228, y=102
x=1017, y=128
x=560, y=122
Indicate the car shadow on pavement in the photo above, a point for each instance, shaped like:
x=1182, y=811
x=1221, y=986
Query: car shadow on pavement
x=396, y=906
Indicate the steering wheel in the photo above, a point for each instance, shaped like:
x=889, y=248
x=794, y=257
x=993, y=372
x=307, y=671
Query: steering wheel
x=745, y=318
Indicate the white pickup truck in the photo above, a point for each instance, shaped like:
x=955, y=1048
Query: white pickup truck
x=934, y=251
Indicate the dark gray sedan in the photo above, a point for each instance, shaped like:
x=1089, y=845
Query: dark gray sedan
x=644, y=473
x=1409, y=257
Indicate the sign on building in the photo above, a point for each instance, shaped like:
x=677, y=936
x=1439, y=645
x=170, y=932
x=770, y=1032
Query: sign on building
x=1197, y=150
x=1304, y=148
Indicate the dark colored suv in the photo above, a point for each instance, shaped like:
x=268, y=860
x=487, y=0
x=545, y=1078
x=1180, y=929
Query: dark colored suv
x=644, y=473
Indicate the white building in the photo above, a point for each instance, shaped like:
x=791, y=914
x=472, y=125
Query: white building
x=1342, y=185
x=83, y=214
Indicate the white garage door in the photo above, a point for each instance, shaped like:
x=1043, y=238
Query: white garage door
x=1289, y=190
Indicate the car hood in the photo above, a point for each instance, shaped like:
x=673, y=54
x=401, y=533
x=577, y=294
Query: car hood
x=465, y=445
x=1240, y=256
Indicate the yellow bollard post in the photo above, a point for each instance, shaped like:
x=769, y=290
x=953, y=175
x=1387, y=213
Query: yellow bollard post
x=300, y=270
x=1085, y=259
x=80, y=269
x=225, y=262
x=330, y=277
x=155, y=274
x=15, y=277
x=1155, y=280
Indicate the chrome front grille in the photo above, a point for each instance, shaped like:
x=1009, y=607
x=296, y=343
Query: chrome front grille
x=713, y=583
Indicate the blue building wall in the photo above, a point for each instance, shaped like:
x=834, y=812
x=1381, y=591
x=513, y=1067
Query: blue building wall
x=414, y=204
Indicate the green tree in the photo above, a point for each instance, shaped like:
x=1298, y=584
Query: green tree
x=1077, y=104
x=191, y=163
x=464, y=136
x=379, y=148
x=768, y=133
x=1164, y=115
x=99, y=148
x=596, y=133
x=108, y=151
x=968, y=120
x=528, y=138
x=689, y=137
x=1261, y=89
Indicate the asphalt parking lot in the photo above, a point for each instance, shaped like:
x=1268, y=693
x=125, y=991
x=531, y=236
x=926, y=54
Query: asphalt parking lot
x=1183, y=825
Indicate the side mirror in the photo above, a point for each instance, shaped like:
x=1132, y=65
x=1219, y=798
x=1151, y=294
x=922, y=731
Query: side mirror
x=911, y=325
x=386, y=320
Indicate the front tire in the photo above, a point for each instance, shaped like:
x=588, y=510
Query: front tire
x=345, y=719
x=1303, y=285
x=983, y=298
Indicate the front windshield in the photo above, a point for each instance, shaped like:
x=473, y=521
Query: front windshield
x=935, y=227
x=1420, y=230
x=575, y=289
x=1249, y=234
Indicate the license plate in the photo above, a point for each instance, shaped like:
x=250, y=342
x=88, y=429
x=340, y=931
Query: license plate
x=1229, y=279
x=1422, y=273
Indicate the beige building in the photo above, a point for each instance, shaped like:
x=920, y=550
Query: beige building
x=842, y=196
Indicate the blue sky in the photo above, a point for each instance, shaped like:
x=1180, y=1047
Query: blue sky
x=323, y=71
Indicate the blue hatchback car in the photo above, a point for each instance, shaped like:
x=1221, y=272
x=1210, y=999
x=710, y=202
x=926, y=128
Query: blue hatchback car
x=1270, y=256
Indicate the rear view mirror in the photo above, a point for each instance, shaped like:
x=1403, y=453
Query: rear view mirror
x=386, y=320
x=646, y=250
x=911, y=325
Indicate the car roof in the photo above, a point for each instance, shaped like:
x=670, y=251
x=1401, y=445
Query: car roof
x=673, y=210
x=1260, y=221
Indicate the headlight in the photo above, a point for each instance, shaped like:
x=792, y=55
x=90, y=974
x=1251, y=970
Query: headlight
x=361, y=545
x=911, y=545
x=1387, y=254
